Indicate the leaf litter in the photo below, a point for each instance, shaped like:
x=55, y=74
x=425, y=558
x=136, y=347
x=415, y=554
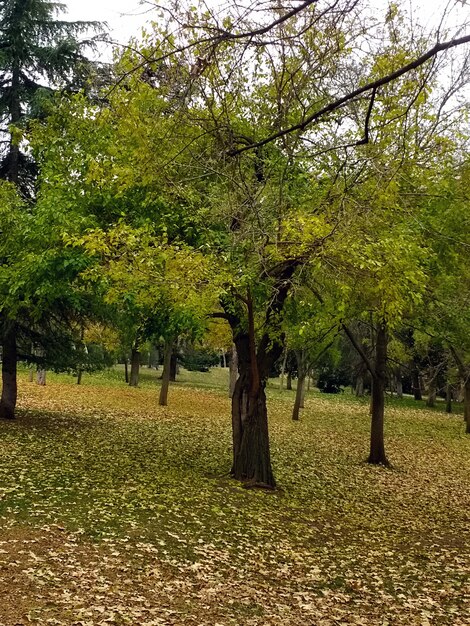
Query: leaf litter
x=117, y=511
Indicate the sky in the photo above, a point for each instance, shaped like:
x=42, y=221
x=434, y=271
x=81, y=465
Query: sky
x=126, y=18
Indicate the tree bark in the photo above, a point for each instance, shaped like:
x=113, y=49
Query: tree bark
x=173, y=364
x=135, y=367
x=399, y=383
x=300, y=357
x=289, y=382
x=377, y=446
x=432, y=390
x=283, y=370
x=466, y=403
x=9, y=374
x=41, y=377
x=126, y=370
x=166, y=374
x=233, y=371
x=416, y=384
x=360, y=386
x=251, y=454
x=448, y=398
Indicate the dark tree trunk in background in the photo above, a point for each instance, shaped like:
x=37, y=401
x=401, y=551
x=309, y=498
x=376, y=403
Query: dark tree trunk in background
x=289, y=381
x=416, y=384
x=135, y=367
x=168, y=351
x=283, y=370
x=399, y=382
x=432, y=390
x=126, y=370
x=360, y=386
x=9, y=365
x=173, y=364
x=464, y=372
x=41, y=377
x=377, y=368
x=448, y=398
x=298, y=404
x=233, y=371
x=79, y=376
x=377, y=446
x=466, y=404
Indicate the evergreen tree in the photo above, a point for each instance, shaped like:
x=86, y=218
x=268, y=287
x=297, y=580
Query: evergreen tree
x=38, y=55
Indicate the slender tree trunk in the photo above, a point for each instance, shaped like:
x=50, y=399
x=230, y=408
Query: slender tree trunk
x=416, y=384
x=300, y=357
x=466, y=403
x=448, y=398
x=360, y=386
x=399, y=383
x=283, y=370
x=163, y=399
x=31, y=374
x=289, y=382
x=302, y=394
x=174, y=362
x=79, y=376
x=233, y=370
x=377, y=446
x=432, y=390
x=9, y=380
x=135, y=367
x=126, y=370
x=224, y=359
x=41, y=377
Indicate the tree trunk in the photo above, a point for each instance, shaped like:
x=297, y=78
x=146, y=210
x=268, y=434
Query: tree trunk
x=163, y=399
x=302, y=394
x=79, y=376
x=289, y=381
x=224, y=359
x=377, y=446
x=298, y=404
x=135, y=367
x=174, y=363
x=360, y=386
x=233, y=371
x=126, y=370
x=448, y=398
x=432, y=391
x=399, y=383
x=251, y=454
x=466, y=404
x=416, y=384
x=9, y=381
x=283, y=370
x=41, y=377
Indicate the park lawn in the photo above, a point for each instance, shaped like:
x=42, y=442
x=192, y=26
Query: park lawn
x=116, y=511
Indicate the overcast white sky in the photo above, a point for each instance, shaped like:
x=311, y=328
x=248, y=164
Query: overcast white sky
x=126, y=17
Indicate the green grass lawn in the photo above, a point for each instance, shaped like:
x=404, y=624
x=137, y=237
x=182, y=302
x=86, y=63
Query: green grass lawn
x=117, y=511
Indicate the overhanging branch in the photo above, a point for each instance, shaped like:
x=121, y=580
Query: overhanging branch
x=352, y=95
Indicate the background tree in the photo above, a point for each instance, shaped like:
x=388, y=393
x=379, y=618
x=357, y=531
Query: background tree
x=38, y=53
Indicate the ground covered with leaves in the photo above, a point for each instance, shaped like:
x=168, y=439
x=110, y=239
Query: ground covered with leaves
x=116, y=511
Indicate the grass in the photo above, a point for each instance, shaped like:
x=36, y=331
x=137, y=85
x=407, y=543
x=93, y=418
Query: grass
x=117, y=511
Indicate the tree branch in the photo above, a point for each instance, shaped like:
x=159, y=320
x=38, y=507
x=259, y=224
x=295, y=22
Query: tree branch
x=372, y=86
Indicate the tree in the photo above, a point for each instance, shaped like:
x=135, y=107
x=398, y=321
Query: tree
x=34, y=47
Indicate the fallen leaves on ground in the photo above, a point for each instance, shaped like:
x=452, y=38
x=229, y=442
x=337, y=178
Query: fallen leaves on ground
x=117, y=511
